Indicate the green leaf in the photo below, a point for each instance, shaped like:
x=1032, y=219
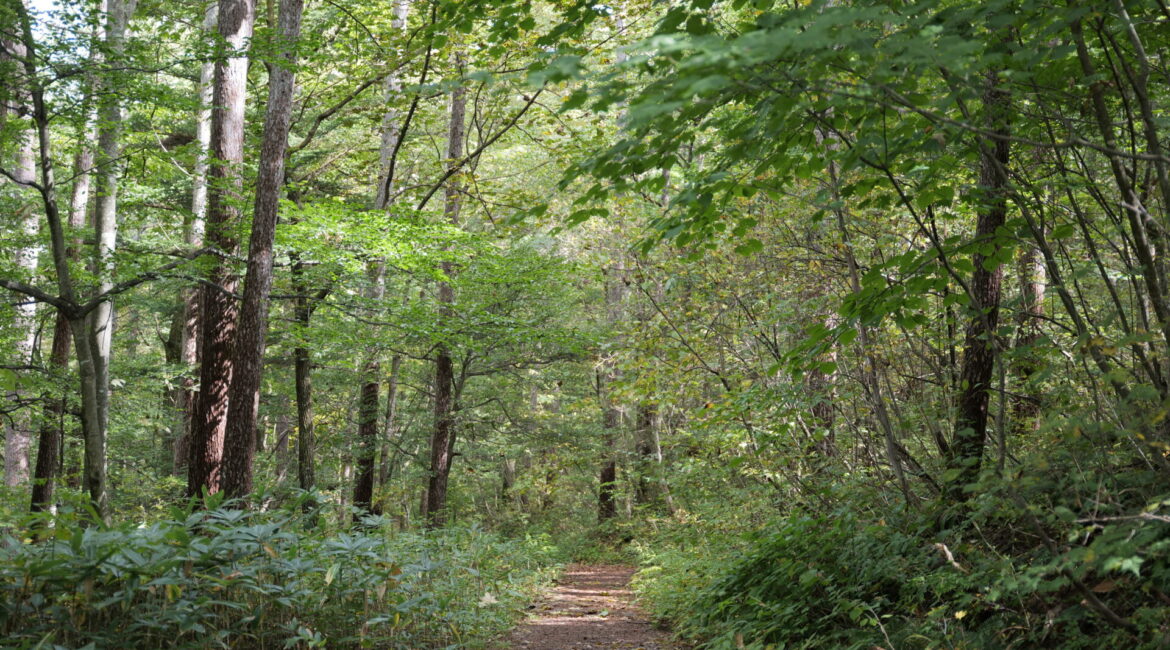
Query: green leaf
x=749, y=247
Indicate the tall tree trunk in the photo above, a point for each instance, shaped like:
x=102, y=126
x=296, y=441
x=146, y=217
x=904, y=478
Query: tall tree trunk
x=443, y=438
x=93, y=430
x=244, y=399
x=218, y=304
x=281, y=431
x=644, y=446
x=306, y=444
x=611, y=415
x=821, y=387
x=52, y=433
x=51, y=443
x=303, y=307
x=389, y=453
x=965, y=460
x=363, y=489
x=18, y=436
x=186, y=393
x=109, y=167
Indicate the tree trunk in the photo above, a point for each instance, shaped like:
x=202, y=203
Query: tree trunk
x=108, y=172
x=281, y=431
x=218, y=305
x=93, y=431
x=244, y=398
x=51, y=443
x=1025, y=404
x=644, y=446
x=186, y=394
x=979, y=346
x=443, y=438
x=611, y=415
x=303, y=368
x=18, y=438
x=363, y=489
x=52, y=434
x=390, y=426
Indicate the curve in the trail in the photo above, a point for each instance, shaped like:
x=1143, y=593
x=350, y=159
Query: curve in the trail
x=591, y=608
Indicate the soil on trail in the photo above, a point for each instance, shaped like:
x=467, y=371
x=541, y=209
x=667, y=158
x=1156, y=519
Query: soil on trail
x=591, y=608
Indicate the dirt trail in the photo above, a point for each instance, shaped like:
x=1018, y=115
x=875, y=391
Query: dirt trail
x=590, y=609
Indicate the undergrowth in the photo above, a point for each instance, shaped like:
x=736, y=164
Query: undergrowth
x=228, y=577
x=1011, y=576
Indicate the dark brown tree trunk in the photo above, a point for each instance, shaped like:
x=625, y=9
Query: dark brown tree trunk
x=248, y=365
x=979, y=346
x=186, y=396
x=306, y=443
x=363, y=488
x=443, y=438
x=303, y=367
x=52, y=427
x=218, y=304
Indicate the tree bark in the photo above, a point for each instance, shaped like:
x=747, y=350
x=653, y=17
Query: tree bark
x=443, y=438
x=186, y=393
x=306, y=444
x=244, y=398
x=218, y=305
x=363, y=489
x=644, y=445
x=965, y=460
x=66, y=301
x=108, y=172
x=389, y=452
x=18, y=438
x=52, y=433
x=611, y=415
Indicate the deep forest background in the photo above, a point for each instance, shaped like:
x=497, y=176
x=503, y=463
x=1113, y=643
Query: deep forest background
x=331, y=324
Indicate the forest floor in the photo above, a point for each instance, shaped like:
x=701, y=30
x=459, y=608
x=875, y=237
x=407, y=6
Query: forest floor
x=591, y=608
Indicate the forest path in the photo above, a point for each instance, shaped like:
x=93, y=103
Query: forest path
x=591, y=608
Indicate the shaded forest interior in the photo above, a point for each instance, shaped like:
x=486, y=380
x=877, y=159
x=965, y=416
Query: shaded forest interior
x=333, y=324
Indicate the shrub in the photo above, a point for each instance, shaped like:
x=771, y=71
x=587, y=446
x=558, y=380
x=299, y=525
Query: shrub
x=228, y=577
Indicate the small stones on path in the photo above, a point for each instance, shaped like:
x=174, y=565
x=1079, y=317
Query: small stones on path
x=591, y=608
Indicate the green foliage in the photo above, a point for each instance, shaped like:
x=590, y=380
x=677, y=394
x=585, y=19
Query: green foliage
x=848, y=578
x=231, y=578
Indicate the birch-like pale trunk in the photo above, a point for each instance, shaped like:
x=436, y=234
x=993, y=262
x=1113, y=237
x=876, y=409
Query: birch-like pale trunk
x=18, y=434
x=108, y=173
